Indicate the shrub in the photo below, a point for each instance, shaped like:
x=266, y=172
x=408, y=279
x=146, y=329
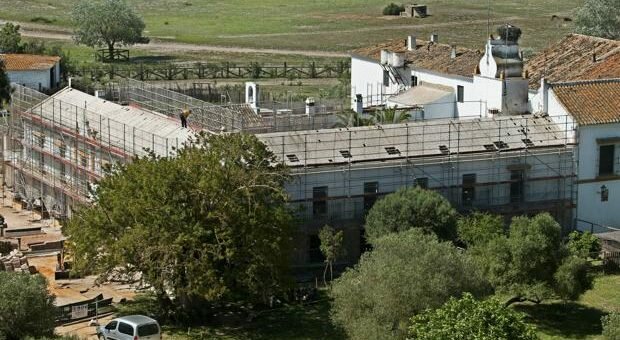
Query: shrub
x=611, y=326
x=393, y=9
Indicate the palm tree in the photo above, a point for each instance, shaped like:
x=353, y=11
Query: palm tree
x=351, y=118
x=391, y=116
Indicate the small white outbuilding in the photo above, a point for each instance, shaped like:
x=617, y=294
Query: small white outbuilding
x=39, y=72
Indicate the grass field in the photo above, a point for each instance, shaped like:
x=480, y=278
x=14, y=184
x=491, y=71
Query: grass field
x=335, y=25
x=554, y=320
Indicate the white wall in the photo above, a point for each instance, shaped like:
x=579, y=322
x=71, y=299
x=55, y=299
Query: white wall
x=35, y=79
x=589, y=205
x=367, y=80
x=471, y=107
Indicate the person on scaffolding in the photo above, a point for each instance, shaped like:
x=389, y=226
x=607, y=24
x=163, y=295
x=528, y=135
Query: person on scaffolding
x=184, y=114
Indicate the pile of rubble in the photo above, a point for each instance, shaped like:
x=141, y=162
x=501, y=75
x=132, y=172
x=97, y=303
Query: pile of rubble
x=15, y=261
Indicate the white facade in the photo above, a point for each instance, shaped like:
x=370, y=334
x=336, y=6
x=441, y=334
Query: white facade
x=37, y=79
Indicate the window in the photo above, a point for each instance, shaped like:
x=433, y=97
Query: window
x=370, y=194
x=421, y=182
x=125, y=328
x=460, y=93
x=314, y=249
x=517, y=186
x=62, y=150
x=469, y=189
x=148, y=329
x=111, y=325
x=604, y=194
x=414, y=81
x=606, y=160
x=386, y=78
x=319, y=201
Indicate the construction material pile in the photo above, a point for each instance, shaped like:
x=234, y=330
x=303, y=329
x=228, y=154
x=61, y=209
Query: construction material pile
x=15, y=261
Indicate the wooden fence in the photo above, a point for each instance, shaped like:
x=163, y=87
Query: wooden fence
x=213, y=71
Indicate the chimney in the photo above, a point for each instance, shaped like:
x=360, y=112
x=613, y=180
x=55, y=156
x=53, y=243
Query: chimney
x=435, y=38
x=453, y=52
x=69, y=81
x=96, y=93
x=411, y=43
x=544, y=91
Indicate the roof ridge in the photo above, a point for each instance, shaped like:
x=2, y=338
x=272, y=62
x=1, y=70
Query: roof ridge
x=585, y=82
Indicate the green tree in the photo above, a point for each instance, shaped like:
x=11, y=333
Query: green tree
x=26, y=307
x=600, y=18
x=5, y=87
x=107, y=23
x=352, y=119
x=391, y=116
x=479, y=228
x=468, y=318
x=331, y=247
x=611, y=326
x=523, y=264
x=404, y=274
x=10, y=38
x=584, y=245
x=412, y=208
x=209, y=223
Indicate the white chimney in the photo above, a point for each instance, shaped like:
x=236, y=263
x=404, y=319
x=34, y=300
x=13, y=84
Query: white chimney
x=435, y=38
x=69, y=81
x=453, y=52
x=544, y=91
x=385, y=57
x=96, y=93
x=411, y=43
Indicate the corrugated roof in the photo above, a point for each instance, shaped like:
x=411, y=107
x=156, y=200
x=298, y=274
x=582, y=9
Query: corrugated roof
x=125, y=127
x=572, y=58
x=26, y=62
x=431, y=138
x=591, y=102
x=429, y=56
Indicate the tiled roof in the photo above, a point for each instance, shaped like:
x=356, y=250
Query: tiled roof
x=591, y=102
x=572, y=59
x=429, y=56
x=26, y=62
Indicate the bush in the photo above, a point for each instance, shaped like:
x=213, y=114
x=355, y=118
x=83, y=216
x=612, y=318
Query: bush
x=26, y=307
x=584, y=245
x=611, y=326
x=393, y=9
x=482, y=320
x=571, y=278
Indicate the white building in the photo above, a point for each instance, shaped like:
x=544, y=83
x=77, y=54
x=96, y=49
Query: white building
x=39, y=72
x=594, y=110
x=511, y=165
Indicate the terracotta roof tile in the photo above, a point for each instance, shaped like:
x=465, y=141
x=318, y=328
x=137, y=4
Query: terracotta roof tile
x=25, y=62
x=572, y=59
x=429, y=56
x=591, y=102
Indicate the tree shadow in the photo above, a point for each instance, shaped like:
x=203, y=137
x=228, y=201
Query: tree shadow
x=567, y=320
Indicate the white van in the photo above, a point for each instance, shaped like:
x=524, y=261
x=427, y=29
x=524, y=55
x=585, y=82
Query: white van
x=132, y=327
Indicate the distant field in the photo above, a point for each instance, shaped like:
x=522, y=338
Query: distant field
x=334, y=25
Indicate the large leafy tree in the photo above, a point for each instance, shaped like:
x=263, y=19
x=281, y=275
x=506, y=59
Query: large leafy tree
x=10, y=39
x=26, y=307
x=412, y=208
x=530, y=262
x=405, y=274
x=599, y=18
x=468, y=318
x=209, y=223
x=479, y=228
x=107, y=23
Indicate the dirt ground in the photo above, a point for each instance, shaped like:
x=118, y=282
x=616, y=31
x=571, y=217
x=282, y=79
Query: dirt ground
x=66, y=291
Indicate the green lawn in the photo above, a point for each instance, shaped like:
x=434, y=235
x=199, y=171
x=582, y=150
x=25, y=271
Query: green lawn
x=337, y=25
x=576, y=320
